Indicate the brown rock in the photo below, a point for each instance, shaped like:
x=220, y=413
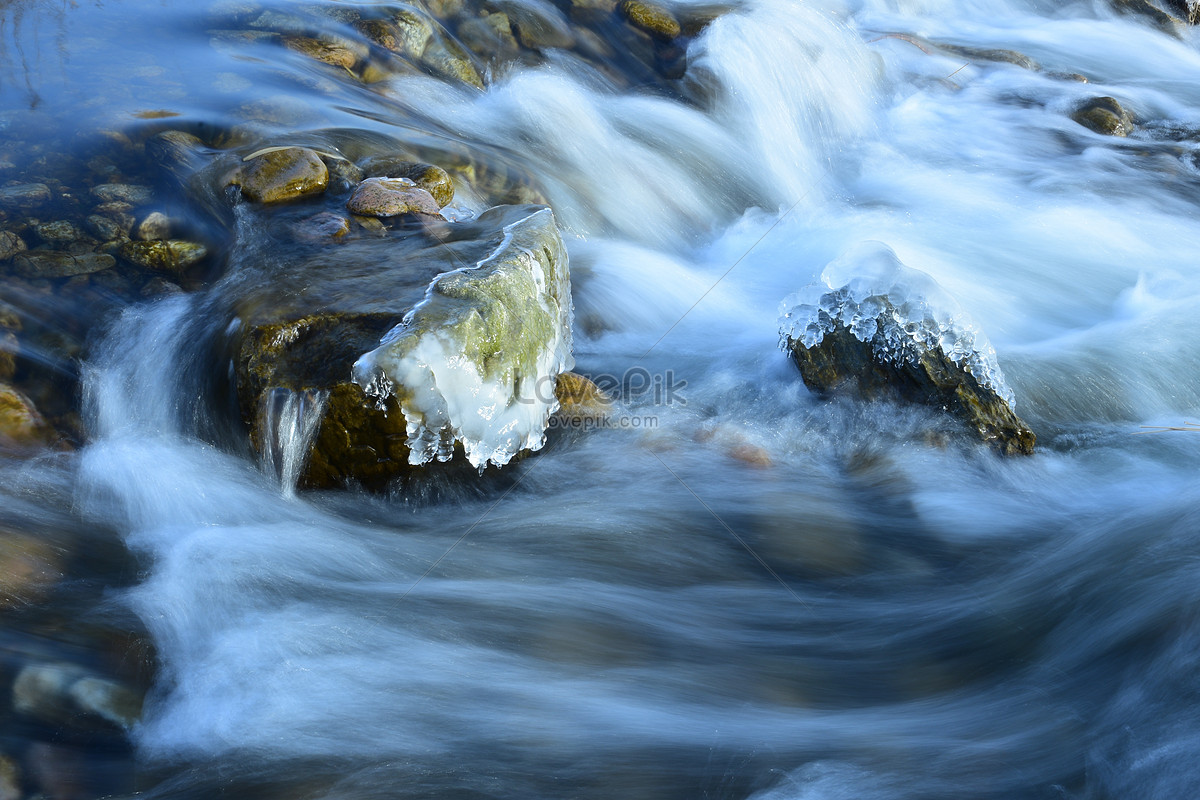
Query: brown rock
x=24, y=196
x=21, y=426
x=651, y=18
x=1106, y=116
x=336, y=53
x=173, y=256
x=10, y=245
x=279, y=175
x=322, y=227
x=390, y=197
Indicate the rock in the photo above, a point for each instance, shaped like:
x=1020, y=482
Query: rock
x=338, y=53
x=21, y=426
x=24, y=196
x=450, y=63
x=10, y=245
x=1104, y=115
x=390, y=197
x=579, y=398
x=279, y=175
x=414, y=32
x=122, y=193
x=538, y=24
x=58, y=233
x=10, y=779
x=651, y=18
x=322, y=227
x=989, y=54
x=10, y=347
x=466, y=364
x=296, y=350
x=53, y=264
x=104, y=228
x=888, y=331
x=490, y=36
x=1189, y=9
x=1151, y=12
x=61, y=693
x=432, y=179
x=172, y=256
x=29, y=568
x=343, y=175
x=155, y=225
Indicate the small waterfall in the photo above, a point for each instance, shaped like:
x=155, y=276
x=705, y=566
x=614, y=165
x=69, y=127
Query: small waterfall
x=290, y=420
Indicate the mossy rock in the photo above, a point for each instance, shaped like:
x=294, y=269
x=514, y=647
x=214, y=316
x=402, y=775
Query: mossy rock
x=651, y=18
x=1106, y=116
x=285, y=174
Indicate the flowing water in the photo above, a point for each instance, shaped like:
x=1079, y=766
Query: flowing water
x=743, y=590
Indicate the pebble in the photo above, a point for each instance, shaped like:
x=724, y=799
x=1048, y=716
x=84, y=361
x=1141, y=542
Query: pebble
x=390, y=197
x=432, y=179
x=322, y=227
x=53, y=264
x=284, y=174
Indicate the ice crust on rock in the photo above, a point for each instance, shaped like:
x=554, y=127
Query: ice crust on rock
x=901, y=312
x=475, y=361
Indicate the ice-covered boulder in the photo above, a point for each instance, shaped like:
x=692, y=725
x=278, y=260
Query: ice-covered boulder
x=397, y=353
x=873, y=324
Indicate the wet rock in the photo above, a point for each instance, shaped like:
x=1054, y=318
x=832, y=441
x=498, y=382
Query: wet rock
x=651, y=18
x=21, y=426
x=432, y=179
x=53, y=264
x=10, y=779
x=29, y=569
x=990, y=54
x=58, y=233
x=322, y=227
x=390, y=197
x=104, y=228
x=173, y=256
x=882, y=330
x=447, y=61
x=414, y=32
x=61, y=693
x=338, y=53
x=1147, y=10
x=1104, y=115
x=122, y=193
x=343, y=174
x=24, y=196
x=490, y=36
x=538, y=24
x=1188, y=9
x=591, y=10
x=579, y=398
x=10, y=245
x=300, y=347
x=10, y=347
x=155, y=225
x=279, y=175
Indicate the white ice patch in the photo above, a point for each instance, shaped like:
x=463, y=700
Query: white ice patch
x=900, y=311
x=494, y=407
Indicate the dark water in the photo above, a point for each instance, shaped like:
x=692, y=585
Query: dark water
x=749, y=591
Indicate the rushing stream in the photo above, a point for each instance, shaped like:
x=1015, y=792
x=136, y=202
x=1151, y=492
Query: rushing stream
x=739, y=589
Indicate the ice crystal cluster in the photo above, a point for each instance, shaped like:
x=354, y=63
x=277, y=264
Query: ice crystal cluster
x=901, y=312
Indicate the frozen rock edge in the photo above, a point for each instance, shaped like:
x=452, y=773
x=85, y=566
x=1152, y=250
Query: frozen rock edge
x=891, y=330
x=474, y=363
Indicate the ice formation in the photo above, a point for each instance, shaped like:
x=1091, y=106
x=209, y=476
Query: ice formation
x=475, y=361
x=901, y=312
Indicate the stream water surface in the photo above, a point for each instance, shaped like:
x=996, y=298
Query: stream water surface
x=747, y=591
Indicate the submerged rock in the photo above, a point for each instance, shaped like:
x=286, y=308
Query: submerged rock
x=173, y=255
x=1144, y=8
x=68, y=694
x=888, y=331
x=24, y=196
x=496, y=327
x=53, y=264
x=1104, y=115
x=10, y=245
x=277, y=175
x=21, y=426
